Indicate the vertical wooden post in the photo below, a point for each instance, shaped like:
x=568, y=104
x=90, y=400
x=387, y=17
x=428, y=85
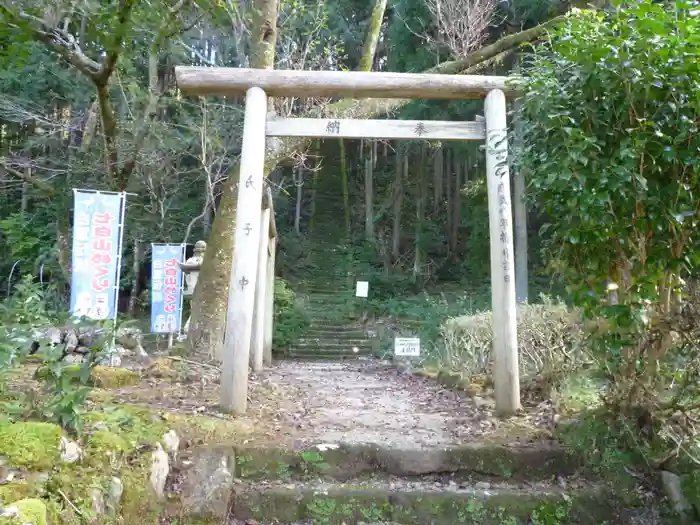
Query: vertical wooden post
x=505, y=340
x=241, y=293
x=269, y=303
x=257, y=342
x=520, y=226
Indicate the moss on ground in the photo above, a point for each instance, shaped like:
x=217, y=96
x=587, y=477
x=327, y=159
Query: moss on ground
x=29, y=511
x=117, y=442
x=30, y=445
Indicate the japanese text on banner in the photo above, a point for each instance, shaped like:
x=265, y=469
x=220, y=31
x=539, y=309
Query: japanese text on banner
x=166, y=288
x=97, y=225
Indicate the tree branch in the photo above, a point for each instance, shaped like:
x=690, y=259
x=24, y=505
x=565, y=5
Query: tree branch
x=144, y=127
x=372, y=107
x=61, y=42
x=37, y=183
x=115, y=48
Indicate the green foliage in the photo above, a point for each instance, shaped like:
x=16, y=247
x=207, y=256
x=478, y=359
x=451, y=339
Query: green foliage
x=610, y=144
x=289, y=316
x=26, y=317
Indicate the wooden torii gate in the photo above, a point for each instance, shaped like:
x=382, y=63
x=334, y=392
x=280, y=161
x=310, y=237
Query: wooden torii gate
x=251, y=242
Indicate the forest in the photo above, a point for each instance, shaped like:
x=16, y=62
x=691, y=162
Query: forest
x=603, y=155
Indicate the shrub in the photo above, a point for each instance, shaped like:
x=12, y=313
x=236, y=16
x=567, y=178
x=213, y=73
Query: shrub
x=290, y=318
x=551, y=340
x=610, y=138
x=27, y=317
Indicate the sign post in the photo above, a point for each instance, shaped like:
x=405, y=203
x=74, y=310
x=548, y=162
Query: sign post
x=166, y=288
x=407, y=347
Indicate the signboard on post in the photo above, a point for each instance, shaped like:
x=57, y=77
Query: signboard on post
x=362, y=289
x=407, y=346
x=166, y=288
x=98, y=229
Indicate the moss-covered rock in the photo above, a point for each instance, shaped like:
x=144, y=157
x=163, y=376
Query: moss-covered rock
x=100, y=376
x=30, y=445
x=27, y=511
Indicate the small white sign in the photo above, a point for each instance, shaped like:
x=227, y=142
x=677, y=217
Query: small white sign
x=362, y=289
x=407, y=346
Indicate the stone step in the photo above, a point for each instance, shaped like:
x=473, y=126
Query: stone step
x=293, y=355
x=328, y=342
x=339, y=332
x=329, y=348
x=532, y=461
x=420, y=502
x=336, y=327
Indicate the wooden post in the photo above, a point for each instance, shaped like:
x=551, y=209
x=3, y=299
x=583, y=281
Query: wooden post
x=241, y=293
x=257, y=342
x=505, y=340
x=269, y=303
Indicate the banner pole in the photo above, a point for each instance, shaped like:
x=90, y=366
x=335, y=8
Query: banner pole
x=182, y=287
x=122, y=213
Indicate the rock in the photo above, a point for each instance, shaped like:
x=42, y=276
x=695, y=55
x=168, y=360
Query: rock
x=160, y=468
x=27, y=512
x=404, y=367
x=206, y=487
x=171, y=442
x=72, y=343
x=114, y=496
x=100, y=425
x=72, y=359
x=480, y=402
x=482, y=485
x=70, y=451
x=131, y=338
x=98, y=501
x=672, y=487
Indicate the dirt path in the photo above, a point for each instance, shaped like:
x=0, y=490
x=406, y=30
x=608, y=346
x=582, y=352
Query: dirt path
x=366, y=401
x=370, y=402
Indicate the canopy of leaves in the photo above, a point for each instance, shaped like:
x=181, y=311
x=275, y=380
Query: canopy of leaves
x=610, y=142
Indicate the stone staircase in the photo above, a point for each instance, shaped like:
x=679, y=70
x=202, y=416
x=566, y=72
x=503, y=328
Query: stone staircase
x=330, y=292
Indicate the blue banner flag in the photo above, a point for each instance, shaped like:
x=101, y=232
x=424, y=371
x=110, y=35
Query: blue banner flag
x=166, y=288
x=97, y=238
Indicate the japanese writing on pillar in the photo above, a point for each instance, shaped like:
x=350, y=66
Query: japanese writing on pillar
x=497, y=141
x=96, y=239
x=504, y=230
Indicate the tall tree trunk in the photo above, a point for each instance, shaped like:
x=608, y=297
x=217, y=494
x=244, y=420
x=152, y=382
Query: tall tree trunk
x=437, y=179
x=209, y=303
x=369, y=49
x=449, y=192
x=136, y=270
x=369, y=196
x=299, y=182
x=314, y=189
x=456, y=205
x=401, y=173
x=346, y=191
x=420, y=217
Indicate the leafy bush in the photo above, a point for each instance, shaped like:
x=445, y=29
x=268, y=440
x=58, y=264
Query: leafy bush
x=610, y=144
x=551, y=341
x=25, y=318
x=290, y=318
